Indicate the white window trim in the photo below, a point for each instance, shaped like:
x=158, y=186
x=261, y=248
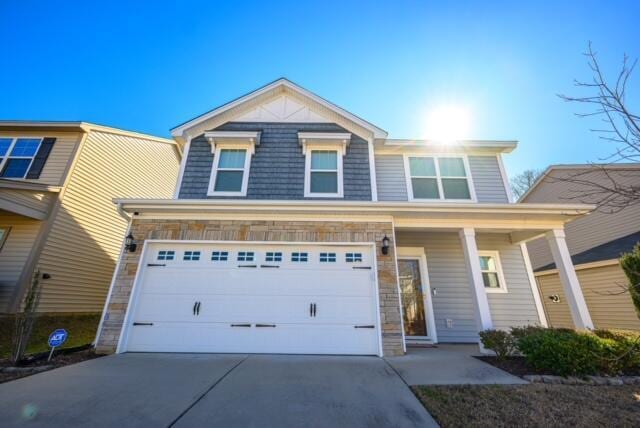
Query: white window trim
x=467, y=171
x=250, y=149
x=496, y=257
x=8, y=156
x=3, y=238
x=340, y=150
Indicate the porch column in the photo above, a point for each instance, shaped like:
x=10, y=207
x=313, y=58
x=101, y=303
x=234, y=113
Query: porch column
x=472, y=260
x=569, y=279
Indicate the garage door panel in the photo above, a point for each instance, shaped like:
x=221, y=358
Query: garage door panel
x=239, y=308
x=171, y=280
x=287, y=339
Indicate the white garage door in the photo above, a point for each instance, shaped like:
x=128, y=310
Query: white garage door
x=255, y=298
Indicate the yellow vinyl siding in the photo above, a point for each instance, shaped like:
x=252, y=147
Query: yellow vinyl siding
x=55, y=168
x=87, y=232
x=602, y=287
x=36, y=201
x=15, y=252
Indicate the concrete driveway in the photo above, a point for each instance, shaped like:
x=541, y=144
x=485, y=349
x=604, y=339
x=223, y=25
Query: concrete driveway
x=214, y=390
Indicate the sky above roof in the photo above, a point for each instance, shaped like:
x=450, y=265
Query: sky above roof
x=150, y=66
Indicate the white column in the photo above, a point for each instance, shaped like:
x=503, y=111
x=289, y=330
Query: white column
x=570, y=283
x=472, y=260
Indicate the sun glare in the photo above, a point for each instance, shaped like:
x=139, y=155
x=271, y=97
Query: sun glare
x=447, y=123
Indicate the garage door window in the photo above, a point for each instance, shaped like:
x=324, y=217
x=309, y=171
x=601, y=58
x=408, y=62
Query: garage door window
x=245, y=256
x=300, y=257
x=353, y=257
x=327, y=257
x=220, y=256
x=191, y=256
x=166, y=255
x=273, y=257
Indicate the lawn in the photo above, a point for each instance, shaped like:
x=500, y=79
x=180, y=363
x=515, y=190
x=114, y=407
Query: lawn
x=532, y=405
x=81, y=328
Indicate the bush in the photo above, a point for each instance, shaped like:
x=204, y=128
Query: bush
x=499, y=341
x=630, y=264
x=567, y=352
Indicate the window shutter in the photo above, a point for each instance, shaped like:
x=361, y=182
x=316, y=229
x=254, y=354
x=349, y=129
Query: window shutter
x=41, y=157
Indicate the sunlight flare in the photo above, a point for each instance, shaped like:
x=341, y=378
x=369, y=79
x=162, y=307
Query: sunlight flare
x=447, y=123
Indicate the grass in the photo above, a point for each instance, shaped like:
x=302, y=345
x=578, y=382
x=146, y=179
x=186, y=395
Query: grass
x=81, y=328
x=532, y=405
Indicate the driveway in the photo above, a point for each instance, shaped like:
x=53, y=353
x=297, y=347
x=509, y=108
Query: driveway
x=214, y=390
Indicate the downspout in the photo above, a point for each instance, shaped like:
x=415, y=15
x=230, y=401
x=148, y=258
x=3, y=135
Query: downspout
x=372, y=170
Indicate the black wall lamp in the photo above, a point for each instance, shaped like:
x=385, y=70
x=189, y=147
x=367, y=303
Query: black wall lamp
x=385, y=245
x=130, y=243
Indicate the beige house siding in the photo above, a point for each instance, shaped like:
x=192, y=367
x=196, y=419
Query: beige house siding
x=85, y=238
x=589, y=231
x=15, y=252
x=602, y=287
x=61, y=155
x=38, y=202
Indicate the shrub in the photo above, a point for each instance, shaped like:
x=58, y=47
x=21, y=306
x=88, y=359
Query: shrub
x=567, y=352
x=630, y=264
x=499, y=341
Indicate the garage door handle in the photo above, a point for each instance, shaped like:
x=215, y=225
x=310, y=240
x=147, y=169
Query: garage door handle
x=364, y=326
x=240, y=325
x=269, y=266
x=265, y=325
x=247, y=266
x=362, y=267
x=142, y=323
x=155, y=264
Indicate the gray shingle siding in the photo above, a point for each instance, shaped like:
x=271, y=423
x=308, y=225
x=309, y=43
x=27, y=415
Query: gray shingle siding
x=277, y=167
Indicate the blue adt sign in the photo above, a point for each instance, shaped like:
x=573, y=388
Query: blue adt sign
x=58, y=337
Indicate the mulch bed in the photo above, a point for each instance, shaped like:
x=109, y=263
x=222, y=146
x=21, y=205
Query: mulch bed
x=534, y=405
x=38, y=363
x=515, y=365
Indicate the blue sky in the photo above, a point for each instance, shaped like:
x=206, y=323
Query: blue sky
x=150, y=66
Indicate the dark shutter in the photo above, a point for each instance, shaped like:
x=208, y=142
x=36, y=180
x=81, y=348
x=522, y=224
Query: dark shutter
x=41, y=157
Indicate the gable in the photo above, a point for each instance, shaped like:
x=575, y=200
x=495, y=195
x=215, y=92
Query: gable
x=280, y=101
x=282, y=109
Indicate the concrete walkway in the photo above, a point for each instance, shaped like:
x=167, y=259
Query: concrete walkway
x=449, y=365
x=214, y=390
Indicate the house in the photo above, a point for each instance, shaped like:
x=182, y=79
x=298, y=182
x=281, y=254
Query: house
x=57, y=181
x=299, y=227
x=595, y=243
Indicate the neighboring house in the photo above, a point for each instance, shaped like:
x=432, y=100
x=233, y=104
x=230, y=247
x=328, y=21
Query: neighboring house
x=57, y=182
x=595, y=243
x=298, y=227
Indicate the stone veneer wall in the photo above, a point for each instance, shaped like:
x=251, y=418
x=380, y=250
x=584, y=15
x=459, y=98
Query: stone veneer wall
x=251, y=230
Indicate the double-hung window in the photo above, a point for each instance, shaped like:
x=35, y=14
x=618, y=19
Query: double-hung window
x=491, y=269
x=438, y=178
x=323, y=176
x=230, y=172
x=16, y=156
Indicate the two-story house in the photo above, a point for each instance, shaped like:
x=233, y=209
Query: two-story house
x=57, y=218
x=595, y=243
x=299, y=227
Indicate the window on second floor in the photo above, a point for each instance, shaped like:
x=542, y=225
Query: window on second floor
x=438, y=178
x=16, y=156
x=230, y=174
x=323, y=174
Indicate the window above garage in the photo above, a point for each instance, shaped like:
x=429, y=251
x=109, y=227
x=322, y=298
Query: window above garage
x=232, y=153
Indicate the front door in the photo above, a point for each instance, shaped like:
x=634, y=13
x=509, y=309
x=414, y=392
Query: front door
x=414, y=299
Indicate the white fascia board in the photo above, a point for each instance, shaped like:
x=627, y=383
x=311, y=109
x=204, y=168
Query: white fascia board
x=377, y=132
x=533, y=213
x=506, y=146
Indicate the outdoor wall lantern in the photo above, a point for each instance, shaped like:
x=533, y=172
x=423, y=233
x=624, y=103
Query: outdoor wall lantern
x=385, y=245
x=130, y=243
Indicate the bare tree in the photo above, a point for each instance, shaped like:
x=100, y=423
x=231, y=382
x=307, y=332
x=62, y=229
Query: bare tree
x=609, y=184
x=522, y=182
